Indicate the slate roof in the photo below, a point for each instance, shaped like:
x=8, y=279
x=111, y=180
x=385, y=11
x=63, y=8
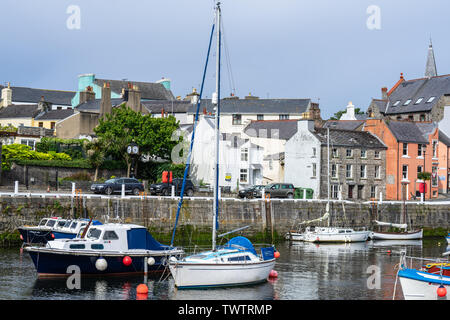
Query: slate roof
x=381, y=104
x=272, y=129
x=347, y=138
x=31, y=95
x=175, y=106
x=94, y=105
x=19, y=111
x=55, y=114
x=418, y=88
x=407, y=131
x=344, y=124
x=149, y=90
x=256, y=106
x=444, y=138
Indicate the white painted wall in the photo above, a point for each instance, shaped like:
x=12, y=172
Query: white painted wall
x=299, y=158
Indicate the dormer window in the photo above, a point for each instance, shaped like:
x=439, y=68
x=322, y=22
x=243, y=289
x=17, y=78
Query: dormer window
x=431, y=99
x=419, y=101
x=407, y=102
x=396, y=103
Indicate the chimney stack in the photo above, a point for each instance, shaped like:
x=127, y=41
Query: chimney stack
x=384, y=94
x=133, y=98
x=105, y=104
x=6, y=96
x=43, y=106
x=87, y=95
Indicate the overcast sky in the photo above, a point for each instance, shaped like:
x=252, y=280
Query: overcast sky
x=320, y=49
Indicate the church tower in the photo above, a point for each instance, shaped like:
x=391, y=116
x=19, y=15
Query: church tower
x=430, y=70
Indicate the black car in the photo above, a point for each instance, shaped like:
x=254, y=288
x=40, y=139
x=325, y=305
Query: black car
x=250, y=192
x=115, y=185
x=165, y=189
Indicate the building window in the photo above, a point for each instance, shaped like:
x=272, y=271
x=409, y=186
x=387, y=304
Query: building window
x=377, y=172
x=407, y=102
x=405, y=149
x=419, y=170
x=27, y=142
x=259, y=117
x=399, y=117
x=360, y=192
x=349, y=153
x=334, y=191
x=422, y=117
x=314, y=170
x=237, y=119
x=405, y=172
x=420, y=150
x=373, y=192
x=284, y=117
x=435, y=148
x=431, y=99
x=419, y=100
x=363, y=153
x=334, y=171
x=52, y=125
x=349, y=171
x=377, y=154
x=434, y=177
x=41, y=124
x=334, y=152
x=243, y=178
x=396, y=103
x=363, y=171
x=244, y=154
x=411, y=118
x=314, y=151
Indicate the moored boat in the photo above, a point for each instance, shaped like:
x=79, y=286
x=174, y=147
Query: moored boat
x=107, y=249
x=334, y=234
x=411, y=235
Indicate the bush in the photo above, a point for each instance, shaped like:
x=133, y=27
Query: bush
x=82, y=163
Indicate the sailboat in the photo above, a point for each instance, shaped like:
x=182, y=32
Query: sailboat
x=405, y=235
x=329, y=233
x=237, y=262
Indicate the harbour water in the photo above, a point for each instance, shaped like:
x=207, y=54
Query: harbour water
x=358, y=271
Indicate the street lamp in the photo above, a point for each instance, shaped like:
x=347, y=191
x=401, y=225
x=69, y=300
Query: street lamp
x=133, y=151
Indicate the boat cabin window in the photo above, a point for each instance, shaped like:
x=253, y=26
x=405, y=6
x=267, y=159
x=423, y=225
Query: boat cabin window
x=61, y=223
x=50, y=223
x=67, y=224
x=110, y=235
x=43, y=222
x=199, y=256
x=74, y=225
x=348, y=231
x=77, y=246
x=97, y=246
x=241, y=258
x=94, y=233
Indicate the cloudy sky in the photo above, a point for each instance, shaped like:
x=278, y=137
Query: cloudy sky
x=335, y=51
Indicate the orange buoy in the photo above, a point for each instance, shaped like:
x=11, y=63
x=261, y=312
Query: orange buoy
x=276, y=254
x=142, y=289
x=127, y=260
x=441, y=291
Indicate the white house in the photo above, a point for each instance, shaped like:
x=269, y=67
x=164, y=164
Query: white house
x=302, y=157
x=240, y=161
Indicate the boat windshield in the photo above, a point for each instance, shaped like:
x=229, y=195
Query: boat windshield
x=67, y=224
x=74, y=225
x=61, y=223
x=94, y=233
x=43, y=222
x=50, y=223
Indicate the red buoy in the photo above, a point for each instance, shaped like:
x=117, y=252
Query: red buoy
x=142, y=289
x=53, y=236
x=276, y=254
x=273, y=274
x=441, y=291
x=126, y=260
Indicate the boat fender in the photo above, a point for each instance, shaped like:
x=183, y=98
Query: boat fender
x=173, y=259
x=151, y=261
x=127, y=260
x=273, y=274
x=276, y=254
x=142, y=289
x=441, y=291
x=101, y=264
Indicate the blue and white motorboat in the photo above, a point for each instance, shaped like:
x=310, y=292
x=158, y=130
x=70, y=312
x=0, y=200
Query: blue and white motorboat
x=422, y=284
x=53, y=228
x=107, y=249
x=448, y=238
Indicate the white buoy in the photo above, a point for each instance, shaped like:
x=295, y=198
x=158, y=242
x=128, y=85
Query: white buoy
x=151, y=261
x=101, y=264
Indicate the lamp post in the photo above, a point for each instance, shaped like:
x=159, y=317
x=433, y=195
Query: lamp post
x=133, y=151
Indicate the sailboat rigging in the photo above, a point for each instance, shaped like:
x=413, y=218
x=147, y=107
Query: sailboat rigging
x=237, y=262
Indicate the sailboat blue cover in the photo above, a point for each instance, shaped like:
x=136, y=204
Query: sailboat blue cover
x=241, y=242
x=140, y=238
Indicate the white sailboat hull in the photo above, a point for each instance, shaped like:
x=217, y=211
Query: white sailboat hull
x=414, y=289
x=295, y=236
x=203, y=275
x=355, y=236
x=397, y=235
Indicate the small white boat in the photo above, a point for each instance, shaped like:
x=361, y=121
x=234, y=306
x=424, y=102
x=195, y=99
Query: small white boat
x=413, y=235
x=333, y=234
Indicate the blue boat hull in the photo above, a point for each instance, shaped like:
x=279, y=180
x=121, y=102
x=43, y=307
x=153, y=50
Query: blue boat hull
x=35, y=235
x=55, y=264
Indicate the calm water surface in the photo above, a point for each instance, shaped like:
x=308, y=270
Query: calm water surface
x=305, y=272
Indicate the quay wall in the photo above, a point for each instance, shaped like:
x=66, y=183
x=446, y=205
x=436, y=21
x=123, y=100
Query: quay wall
x=159, y=214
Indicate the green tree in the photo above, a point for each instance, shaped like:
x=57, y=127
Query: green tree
x=96, y=152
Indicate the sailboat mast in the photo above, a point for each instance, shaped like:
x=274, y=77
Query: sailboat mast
x=328, y=175
x=217, y=120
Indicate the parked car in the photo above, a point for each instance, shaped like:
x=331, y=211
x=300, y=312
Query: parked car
x=165, y=189
x=115, y=185
x=250, y=192
x=280, y=190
